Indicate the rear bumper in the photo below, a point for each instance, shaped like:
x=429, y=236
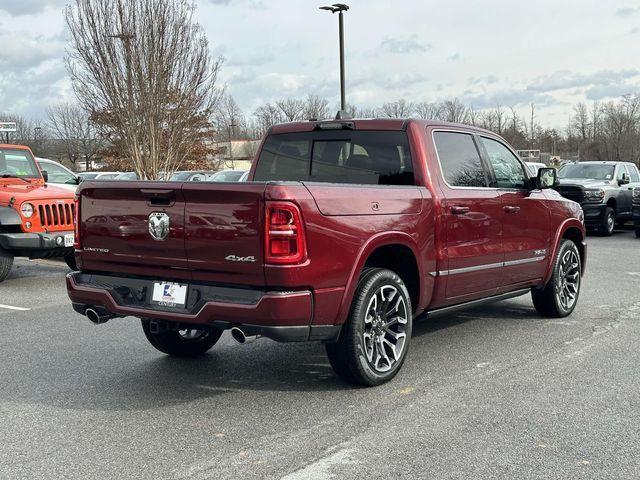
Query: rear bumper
x=36, y=245
x=282, y=316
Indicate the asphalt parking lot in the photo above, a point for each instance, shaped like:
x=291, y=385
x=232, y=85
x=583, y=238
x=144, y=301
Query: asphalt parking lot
x=496, y=392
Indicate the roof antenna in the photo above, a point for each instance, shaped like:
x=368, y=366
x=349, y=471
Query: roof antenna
x=340, y=8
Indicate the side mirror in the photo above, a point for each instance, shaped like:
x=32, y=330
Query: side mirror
x=547, y=178
x=45, y=175
x=624, y=180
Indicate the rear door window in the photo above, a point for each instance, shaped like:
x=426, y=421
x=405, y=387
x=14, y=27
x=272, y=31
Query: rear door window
x=460, y=160
x=358, y=157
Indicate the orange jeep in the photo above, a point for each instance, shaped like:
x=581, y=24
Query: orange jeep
x=36, y=219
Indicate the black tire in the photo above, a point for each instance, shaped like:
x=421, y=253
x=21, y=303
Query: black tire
x=356, y=357
x=608, y=224
x=6, y=263
x=637, y=229
x=70, y=260
x=567, y=271
x=177, y=344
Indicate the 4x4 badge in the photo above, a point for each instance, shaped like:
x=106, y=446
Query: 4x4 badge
x=159, y=224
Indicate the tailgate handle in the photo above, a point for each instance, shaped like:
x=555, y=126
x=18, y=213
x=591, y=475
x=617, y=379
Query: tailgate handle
x=158, y=197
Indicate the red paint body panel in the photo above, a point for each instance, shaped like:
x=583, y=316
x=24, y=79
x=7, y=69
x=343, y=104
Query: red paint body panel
x=343, y=226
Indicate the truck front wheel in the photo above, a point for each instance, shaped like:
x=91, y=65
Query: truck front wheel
x=608, y=222
x=375, y=338
x=559, y=296
x=181, y=343
x=6, y=263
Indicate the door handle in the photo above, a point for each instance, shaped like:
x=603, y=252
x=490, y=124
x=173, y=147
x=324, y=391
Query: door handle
x=459, y=210
x=511, y=209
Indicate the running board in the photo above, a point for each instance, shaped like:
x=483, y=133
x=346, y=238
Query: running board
x=439, y=312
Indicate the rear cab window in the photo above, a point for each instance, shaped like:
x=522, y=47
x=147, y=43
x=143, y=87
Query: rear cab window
x=340, y=156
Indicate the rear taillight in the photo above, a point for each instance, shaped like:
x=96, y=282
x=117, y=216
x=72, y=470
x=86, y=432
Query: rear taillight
x=76, y=224
x=285, y=241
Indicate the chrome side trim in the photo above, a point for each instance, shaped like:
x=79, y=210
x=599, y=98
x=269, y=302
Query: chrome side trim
x=489, y=266
x=524, y=260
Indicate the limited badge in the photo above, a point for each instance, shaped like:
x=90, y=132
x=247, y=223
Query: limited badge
x=159, y=224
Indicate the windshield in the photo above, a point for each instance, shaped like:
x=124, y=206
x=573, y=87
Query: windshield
x=124, y=176
x=18, y=163
x=587, y=171
x=338, y=156
x=180, y=176
x=228, y=176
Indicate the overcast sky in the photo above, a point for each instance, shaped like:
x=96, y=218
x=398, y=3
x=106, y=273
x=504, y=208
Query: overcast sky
x=549, y=52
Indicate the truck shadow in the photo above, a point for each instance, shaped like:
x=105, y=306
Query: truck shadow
x=132, y=376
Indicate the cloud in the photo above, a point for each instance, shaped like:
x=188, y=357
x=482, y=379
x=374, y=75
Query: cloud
x=627, y=11
x=404, y=45
x=600, y=92
x=563, y=79
x=513, y=97
x=29, y=7
x=454, y=57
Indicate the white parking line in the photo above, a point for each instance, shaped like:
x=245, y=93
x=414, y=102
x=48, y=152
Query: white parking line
x=19, y=309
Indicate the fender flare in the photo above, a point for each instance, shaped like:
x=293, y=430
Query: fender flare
x=564, y=226
x=373, y=243
x=9, y=217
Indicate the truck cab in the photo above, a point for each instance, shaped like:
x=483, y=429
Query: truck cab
x=36, y=219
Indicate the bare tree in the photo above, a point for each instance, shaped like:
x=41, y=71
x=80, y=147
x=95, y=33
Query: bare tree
x=428, y=110
x=70, y=125
x=266, y=116
x=31, y=133
x=316, y=107
x=454, y=111
x=143, y=71
x=292, y=109
x=230, y=120
x=398, y=109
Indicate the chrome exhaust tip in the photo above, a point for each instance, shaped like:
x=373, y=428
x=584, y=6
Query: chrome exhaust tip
x=97, y=316
x=241, y=337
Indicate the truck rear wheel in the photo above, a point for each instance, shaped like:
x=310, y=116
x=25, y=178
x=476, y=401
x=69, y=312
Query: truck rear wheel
x=6, y=263
x=559, y=296
x=182, y=343
x=375, y=338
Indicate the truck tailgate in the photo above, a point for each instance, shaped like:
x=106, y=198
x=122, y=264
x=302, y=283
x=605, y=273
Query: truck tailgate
x=215, y=230
x=115, y=232
x=224, y=238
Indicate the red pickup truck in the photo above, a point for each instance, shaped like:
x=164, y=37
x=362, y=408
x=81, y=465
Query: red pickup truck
x=348, y=231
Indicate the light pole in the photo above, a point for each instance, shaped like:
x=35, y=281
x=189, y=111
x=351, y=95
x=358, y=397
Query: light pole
x=340, y=8
x=231, y=125
x=37, y=131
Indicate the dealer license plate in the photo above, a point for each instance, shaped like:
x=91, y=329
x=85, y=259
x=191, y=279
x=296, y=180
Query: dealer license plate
x=169, y=294
x=69, y=239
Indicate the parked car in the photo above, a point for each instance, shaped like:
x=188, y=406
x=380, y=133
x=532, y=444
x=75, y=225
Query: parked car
x=193, y=176
x=534, y=167
x=58, y=174
x=636, y=211
x=125, y=176
x=603, y=189
x=228, y=176
x=98, y=175
x=36, y=219
x=386, y=221
x=244, y=177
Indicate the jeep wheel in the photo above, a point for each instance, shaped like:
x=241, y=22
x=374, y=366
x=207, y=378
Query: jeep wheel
x=608, y=222
x=181, y=343
x=375, y=338
x=559, y=296
x=6, y=262
x=70, y=260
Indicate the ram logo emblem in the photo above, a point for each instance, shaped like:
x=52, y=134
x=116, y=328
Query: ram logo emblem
x=159, y=224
